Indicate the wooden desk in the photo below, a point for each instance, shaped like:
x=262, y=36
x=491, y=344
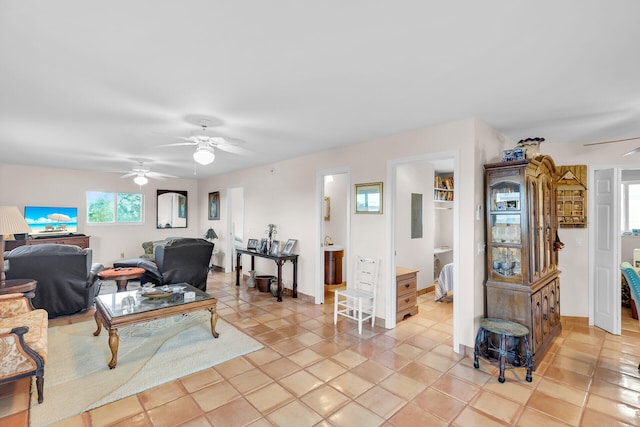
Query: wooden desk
x=279, y=259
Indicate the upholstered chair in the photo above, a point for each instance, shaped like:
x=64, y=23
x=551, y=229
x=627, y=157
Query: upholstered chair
x=23, y=340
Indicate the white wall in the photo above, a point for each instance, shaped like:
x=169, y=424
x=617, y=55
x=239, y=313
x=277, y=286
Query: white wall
x=22, y=185
x=415, y=253
x=573, y=259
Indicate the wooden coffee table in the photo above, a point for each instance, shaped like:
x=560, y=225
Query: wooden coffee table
x=121, y=275
x=130, y=307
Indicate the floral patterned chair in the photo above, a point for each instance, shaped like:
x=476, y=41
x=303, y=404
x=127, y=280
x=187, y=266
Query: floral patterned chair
x=23, y=340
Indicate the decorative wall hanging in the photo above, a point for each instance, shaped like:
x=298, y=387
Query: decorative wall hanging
x=571, y=196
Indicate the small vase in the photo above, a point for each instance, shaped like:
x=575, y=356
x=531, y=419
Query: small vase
x=274, y=287
x=251, y=281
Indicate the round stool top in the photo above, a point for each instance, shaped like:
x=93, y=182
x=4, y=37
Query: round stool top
x=112, y=273
x=505, y=327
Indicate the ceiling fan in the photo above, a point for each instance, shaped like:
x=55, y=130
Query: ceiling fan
x=205, y=143
x=142, y=174
x=628, y=153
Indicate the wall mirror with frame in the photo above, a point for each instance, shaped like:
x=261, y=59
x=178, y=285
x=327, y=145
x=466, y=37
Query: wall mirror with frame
x=172, y=209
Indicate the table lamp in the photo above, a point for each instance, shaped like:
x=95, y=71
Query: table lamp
x=211, y=234
x=11, y=222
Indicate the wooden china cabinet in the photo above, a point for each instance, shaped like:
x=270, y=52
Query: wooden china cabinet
x=523, y=283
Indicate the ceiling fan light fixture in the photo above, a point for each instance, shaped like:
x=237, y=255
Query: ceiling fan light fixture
x=204, y=154
x=140, y=180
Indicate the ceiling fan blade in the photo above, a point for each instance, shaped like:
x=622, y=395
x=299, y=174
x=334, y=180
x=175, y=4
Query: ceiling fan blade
x=233, y=149
x=634, y=151
x=177, y=144
x=158, y=175
x=128, y=175
x=613, y=140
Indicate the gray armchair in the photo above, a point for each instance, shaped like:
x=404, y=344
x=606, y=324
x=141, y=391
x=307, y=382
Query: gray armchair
x=67, y=277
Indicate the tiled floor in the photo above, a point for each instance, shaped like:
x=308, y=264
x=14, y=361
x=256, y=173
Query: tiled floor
x=311, y=373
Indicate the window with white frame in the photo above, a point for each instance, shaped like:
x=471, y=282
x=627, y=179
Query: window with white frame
x=110, y=208
x=630, y=206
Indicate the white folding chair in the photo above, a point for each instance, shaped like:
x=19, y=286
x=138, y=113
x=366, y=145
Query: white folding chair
x=358, y=301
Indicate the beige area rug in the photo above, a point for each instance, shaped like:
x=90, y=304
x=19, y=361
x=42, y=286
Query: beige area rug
x=78, y=379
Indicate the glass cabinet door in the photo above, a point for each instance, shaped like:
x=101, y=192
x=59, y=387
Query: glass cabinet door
x=506, y=262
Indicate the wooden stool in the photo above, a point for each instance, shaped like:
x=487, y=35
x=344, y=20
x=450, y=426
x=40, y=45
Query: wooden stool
x=504, y=328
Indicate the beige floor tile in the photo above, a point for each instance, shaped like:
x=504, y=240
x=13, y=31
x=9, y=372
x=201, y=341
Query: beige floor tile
x=280, y=368
x=403, y=386
x=497, y=406
x=562, y=410
x=233, y=367
x=455, y=387
x=617, y=410
x=324, y=400
x=355, y=414
x=175, y=413
x=238, y=412
x=439, y=404
x=381, y=401
x=472, y=417
x=296, y=414
x=250, y=380
x=532, y=418
x=421, y=373
x=116, y=411
x=592, y=418
x=511, y=390
x=350, y=384
x=200, y=379
x=414, y=415
x=348, y=358
x=214, y=396
x=161, y=394
x=300, y=383
x=561, y=391
x=308, y=338
x=269, y=398
x=326, y=370
x=305, y=357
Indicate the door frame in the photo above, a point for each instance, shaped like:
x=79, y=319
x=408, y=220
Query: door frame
x=390, y=195
x=615, y=253
x=230, y=248
x=319, y=288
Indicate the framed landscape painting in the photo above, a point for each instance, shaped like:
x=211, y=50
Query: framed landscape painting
x=214, y=205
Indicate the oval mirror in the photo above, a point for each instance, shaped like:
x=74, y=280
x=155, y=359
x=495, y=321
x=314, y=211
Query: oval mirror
x=172, y=209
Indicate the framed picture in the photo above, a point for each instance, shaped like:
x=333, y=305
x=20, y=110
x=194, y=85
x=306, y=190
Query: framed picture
x=252, y=244
x=214, y=205
x=182, y=206
x=288, y=247
x=263, y=246
x=369, y=198
x=275, y=247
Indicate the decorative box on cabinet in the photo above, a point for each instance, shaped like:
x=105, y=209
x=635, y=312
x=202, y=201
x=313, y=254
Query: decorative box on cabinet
x=406, y=293
x=82, y=241
x=523, y=283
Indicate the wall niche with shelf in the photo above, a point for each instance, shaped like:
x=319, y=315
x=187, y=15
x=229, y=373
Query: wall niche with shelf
x=443, y=188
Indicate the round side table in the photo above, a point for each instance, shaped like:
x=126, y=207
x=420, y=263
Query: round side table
x=25, y=286
x=121, y=275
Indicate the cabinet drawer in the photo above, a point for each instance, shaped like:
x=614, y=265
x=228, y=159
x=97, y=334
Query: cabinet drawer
x=406, y=286
x=406, y=301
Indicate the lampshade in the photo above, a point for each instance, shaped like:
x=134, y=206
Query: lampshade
x=211, y=234
x=204, y=154
x=12, y=221
x=140, y=180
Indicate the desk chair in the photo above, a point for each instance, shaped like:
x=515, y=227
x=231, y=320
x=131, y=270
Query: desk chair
x=358, y=301
x=634, y=283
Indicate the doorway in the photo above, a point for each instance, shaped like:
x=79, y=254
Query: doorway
x=333, y=229
x=235, y=225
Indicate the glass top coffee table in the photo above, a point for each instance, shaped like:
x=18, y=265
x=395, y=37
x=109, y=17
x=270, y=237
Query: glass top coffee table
x=128, y=308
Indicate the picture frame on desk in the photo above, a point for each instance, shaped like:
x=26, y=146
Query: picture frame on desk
x=252, y=244
x=263, y=246
x=275, y=247
x=288, y=247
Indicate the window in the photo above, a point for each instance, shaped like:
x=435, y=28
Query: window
x=105, y=208
x=630, y=206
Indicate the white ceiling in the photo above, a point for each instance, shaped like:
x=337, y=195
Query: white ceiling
x=92, y=85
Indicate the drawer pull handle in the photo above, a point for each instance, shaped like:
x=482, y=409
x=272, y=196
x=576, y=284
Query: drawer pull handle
x=407, y=300
x=407, y=285
x=552, y=309
x=545, y=317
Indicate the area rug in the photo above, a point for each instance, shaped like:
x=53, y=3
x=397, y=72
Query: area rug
x=78, y=379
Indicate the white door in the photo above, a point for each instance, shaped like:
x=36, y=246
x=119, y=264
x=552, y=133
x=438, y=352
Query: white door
x=606, y=274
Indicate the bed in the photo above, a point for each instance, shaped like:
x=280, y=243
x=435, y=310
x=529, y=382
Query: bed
x=444, y=287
